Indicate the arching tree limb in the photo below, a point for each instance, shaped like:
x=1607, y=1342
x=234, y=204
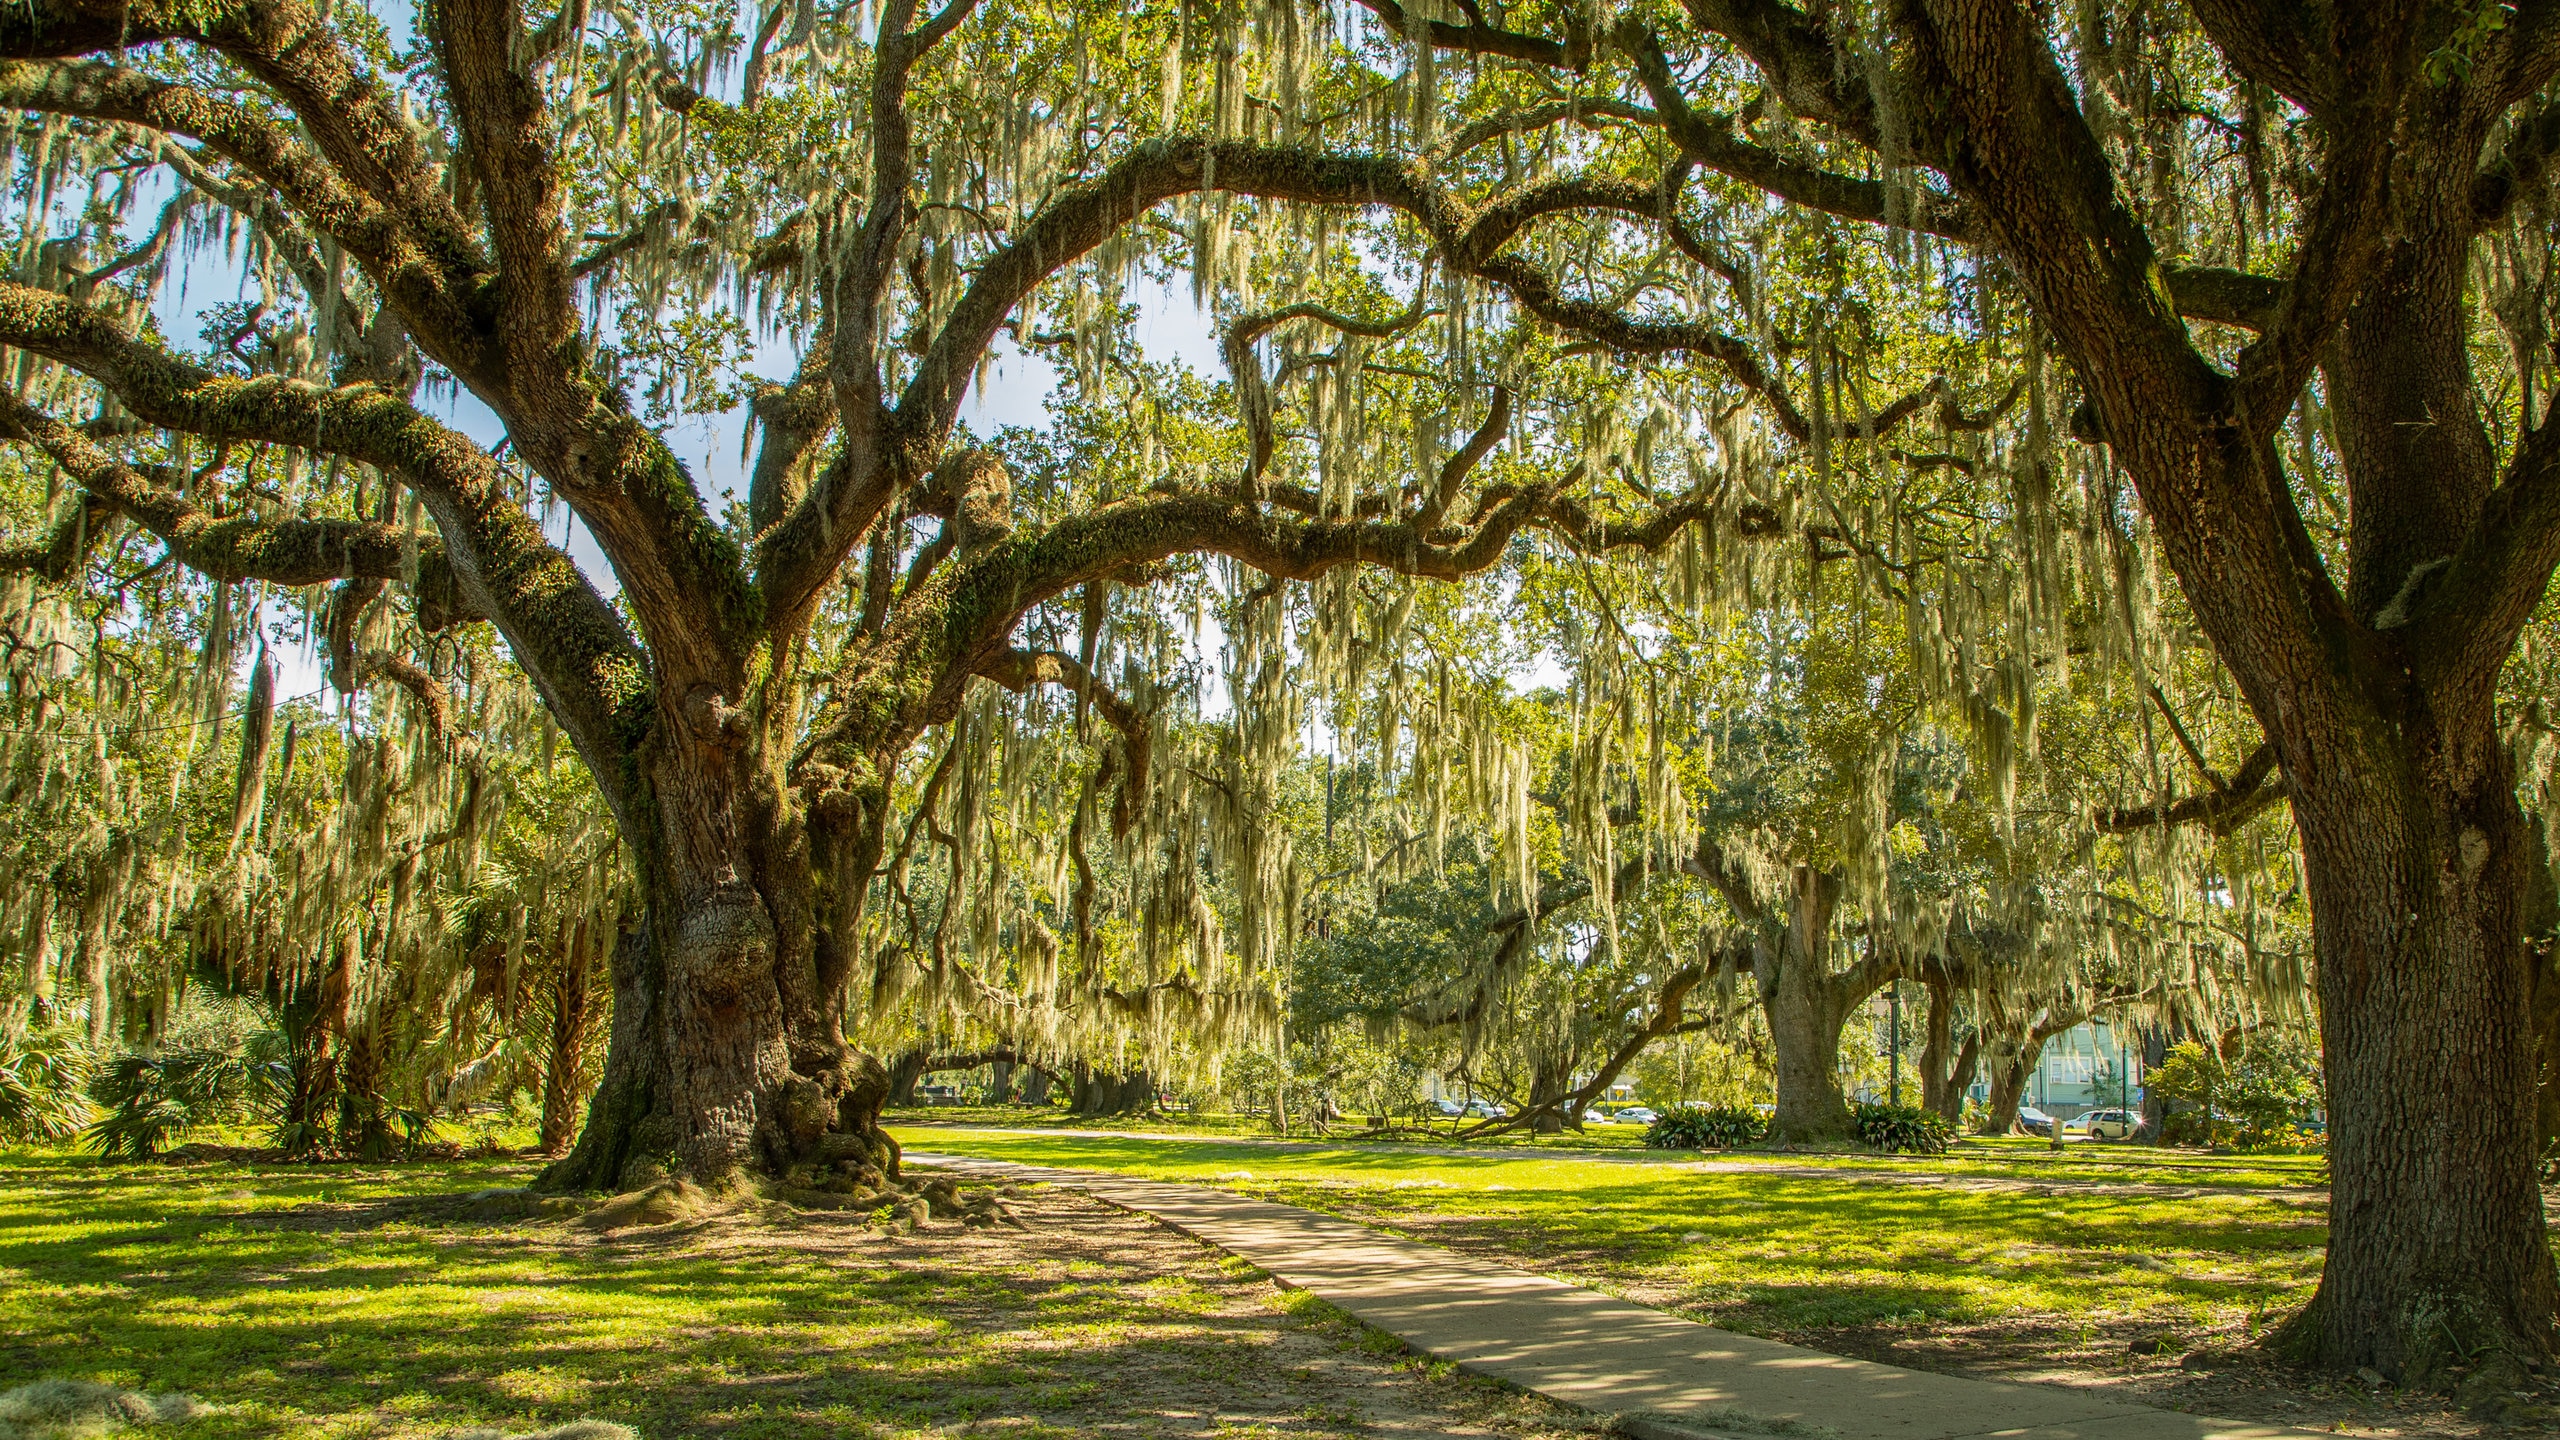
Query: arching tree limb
x=573, y=644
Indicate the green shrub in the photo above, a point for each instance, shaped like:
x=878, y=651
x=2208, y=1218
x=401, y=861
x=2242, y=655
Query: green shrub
x=149, y=1100
x=1906, y=1128
x=2255, y=1094
x=44, y=1078
x=1721, y=1127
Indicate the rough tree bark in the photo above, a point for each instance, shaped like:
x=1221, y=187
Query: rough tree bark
x=2379, y=698
x=1946, y=1069
x=2014, y=1048
x=1551, y=1088
x=572, y=998
x=1807, y=1002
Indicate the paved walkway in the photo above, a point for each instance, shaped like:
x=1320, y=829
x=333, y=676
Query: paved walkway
x=1601, y=1354
x=1848, y=1175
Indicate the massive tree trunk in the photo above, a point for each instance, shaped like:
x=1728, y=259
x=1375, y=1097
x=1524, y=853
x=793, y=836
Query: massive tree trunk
x=2416, y=852
x=1807, y=1006
x=726, y=1054
x=2414, y=846
x=1946, y=1070
x=685, y=1094
x=1103, y=1092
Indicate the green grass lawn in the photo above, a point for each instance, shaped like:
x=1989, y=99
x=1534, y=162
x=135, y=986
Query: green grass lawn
x=1597, y=1136
x=343, y=1301
x=2013, y=1157
x=1792, y=1253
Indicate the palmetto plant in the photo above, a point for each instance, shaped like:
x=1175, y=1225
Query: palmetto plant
x=43, y=1086
x=150, y=1100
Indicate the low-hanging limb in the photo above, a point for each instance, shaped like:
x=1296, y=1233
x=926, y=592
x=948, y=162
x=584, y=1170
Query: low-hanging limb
x=1669, y=1018
x=2255, y=788
x=589, y=669
x=230, y=547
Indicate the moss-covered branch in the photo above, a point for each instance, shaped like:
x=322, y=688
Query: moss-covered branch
x=566, y=636
x=239, y=546
x=430, y=293
x=798, y=555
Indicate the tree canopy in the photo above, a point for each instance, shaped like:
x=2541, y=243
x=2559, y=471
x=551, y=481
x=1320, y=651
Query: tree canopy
x=1925, y=431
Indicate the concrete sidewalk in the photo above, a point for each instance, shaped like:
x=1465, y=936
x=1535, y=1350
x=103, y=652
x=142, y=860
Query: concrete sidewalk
x=1588, y=1350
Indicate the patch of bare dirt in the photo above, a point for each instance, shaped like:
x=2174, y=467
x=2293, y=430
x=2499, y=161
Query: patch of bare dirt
x=1247, y=1362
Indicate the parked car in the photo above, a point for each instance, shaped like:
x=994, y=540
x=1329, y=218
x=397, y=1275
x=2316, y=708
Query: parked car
x=1635, y=1115
x=2104, y=1124
x=2035, y=1121
x=1451, y=1108
x=1485, y=1110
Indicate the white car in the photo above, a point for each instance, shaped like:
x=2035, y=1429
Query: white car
x=2104, y=1124
x=1486, y=1110
x=1635, y=1115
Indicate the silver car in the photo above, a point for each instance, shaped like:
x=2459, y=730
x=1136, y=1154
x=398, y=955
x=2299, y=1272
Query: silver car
x=2104, y=1124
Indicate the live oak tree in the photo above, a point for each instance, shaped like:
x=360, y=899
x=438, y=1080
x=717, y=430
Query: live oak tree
x=744, y=707
x=1799, y=797
x=2422, y=128
x=1478, y=274
x=2347, y=204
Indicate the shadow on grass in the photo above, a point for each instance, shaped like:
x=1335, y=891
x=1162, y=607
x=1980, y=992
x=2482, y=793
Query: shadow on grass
x=330, y=1303
x=1775, y=1249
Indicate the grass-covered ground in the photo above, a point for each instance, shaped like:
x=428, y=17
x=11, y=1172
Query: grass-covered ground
x=2015, y=1157
x=1779, y=1253
x=1596, y=1136
x=339, y=1301
x=2000, y=1260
